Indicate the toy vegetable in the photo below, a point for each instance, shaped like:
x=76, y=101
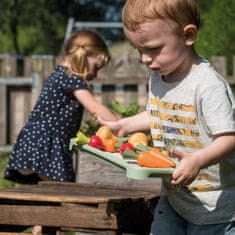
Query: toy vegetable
x=138, y=138
x=110, y=145
x=154, y=159
x=96, y=142
x=104, y=133
x=125, y=146
x=162, y=156
x=108, y=138
x=81, y=138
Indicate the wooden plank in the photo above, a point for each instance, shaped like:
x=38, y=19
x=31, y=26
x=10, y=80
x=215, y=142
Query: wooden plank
x=108, y=93
x=19, y=109
x=36, y=88
x=5, y=149
x=38, y=78
x=110, y=187
x=45, y=197
x=48, y=66
x=91, y=195
x=56, y=216
x=8, y=70
x=130, y=92
x=3, y=116
x=96, y=171
x=19, y=233
x=219, y=63
x=232, y=79
x=142, y=95
x=125, y=80
x=82, y=231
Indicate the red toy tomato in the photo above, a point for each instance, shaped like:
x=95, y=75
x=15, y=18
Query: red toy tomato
x=96, y=142
x=125, y=146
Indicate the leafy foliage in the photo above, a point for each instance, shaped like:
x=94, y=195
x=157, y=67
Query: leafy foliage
x=217, y=34
x=38, y=27
x=124, y=111
x=89, y=127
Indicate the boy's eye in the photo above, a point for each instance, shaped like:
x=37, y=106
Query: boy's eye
x=154, y=48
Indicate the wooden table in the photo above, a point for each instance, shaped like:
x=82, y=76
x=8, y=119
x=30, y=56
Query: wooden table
x=78, y=207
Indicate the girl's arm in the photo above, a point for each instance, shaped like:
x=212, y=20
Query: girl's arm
x=95, y=108
x=138, y=122
x=191, y=163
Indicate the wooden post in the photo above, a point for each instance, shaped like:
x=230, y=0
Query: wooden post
x=19, y=108
x=108, y=93
x=48, y=66
x=36, y=88
x=219, y=63
x=8, y=70
x=142, y=95
x=39, y=68
x=130, y=93
x=233, y=76
x=19, y=100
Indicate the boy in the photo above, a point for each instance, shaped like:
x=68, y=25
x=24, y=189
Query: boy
x=190, y=111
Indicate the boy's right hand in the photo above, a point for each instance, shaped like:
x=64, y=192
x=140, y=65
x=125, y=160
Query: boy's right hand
x=187, y=169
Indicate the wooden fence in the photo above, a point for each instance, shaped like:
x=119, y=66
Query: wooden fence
x=21, y=79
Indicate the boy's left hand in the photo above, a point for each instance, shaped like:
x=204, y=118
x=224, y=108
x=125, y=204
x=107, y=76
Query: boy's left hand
x=187, y=169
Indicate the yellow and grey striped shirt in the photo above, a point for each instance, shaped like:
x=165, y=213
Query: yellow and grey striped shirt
x=185, y=115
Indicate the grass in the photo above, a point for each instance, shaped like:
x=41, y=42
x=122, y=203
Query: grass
x=5, y=183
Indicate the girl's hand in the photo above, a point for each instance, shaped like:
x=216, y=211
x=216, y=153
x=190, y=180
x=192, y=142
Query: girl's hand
x=187, y=169
x=114, y=126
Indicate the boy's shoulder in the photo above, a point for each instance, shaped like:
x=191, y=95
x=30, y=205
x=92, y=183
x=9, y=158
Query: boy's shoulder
x=206, y=75
x=203, y=75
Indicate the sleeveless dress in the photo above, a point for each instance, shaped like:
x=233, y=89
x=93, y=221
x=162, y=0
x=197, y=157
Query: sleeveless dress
x=43, y=143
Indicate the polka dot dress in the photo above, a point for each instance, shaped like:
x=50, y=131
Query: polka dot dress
x=43, y=144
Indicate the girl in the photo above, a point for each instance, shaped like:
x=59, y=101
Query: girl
x=42, y=147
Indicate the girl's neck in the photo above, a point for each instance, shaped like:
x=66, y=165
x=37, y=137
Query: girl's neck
x=65, y=63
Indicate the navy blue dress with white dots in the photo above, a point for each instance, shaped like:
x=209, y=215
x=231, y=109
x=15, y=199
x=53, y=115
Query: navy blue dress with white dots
x=43, y=143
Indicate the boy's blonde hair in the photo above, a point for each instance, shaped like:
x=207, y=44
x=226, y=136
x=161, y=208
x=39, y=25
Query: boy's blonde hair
x=182, y=12
x=81, y=45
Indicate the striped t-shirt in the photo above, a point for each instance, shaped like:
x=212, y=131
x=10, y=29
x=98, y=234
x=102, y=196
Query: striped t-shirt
x=185, y=115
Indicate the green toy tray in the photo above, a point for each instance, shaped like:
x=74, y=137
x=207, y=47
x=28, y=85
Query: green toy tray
x=133, y=171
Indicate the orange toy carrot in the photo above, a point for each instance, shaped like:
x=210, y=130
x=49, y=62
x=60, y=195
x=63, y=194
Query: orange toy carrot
x=147, y=159
x=162, y=156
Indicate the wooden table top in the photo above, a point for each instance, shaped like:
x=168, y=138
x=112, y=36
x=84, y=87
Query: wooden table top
x=75, y=193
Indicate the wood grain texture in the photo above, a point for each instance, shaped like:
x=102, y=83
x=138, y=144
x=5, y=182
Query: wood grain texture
x=78, y=206
x=97, y=171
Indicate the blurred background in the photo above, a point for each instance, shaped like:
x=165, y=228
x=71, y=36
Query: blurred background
x=39, y=27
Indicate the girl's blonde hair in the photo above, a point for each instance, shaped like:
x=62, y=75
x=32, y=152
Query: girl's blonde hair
x=182, y=12
x=81, y=45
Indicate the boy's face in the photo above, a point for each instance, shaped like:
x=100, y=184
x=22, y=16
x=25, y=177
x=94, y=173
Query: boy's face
x=160, y=47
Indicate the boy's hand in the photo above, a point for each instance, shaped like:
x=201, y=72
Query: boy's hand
x=187, y=169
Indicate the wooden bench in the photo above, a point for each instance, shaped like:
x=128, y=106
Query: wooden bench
x=85, y=208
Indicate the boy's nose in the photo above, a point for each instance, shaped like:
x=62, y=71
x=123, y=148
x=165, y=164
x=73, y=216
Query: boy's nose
x=146, y=59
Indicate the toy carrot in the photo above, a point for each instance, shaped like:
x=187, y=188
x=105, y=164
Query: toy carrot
x=162, y=156
x=157, y=153
x=147, y=159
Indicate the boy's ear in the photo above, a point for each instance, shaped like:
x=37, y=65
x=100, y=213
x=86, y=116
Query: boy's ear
x=190, y=34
